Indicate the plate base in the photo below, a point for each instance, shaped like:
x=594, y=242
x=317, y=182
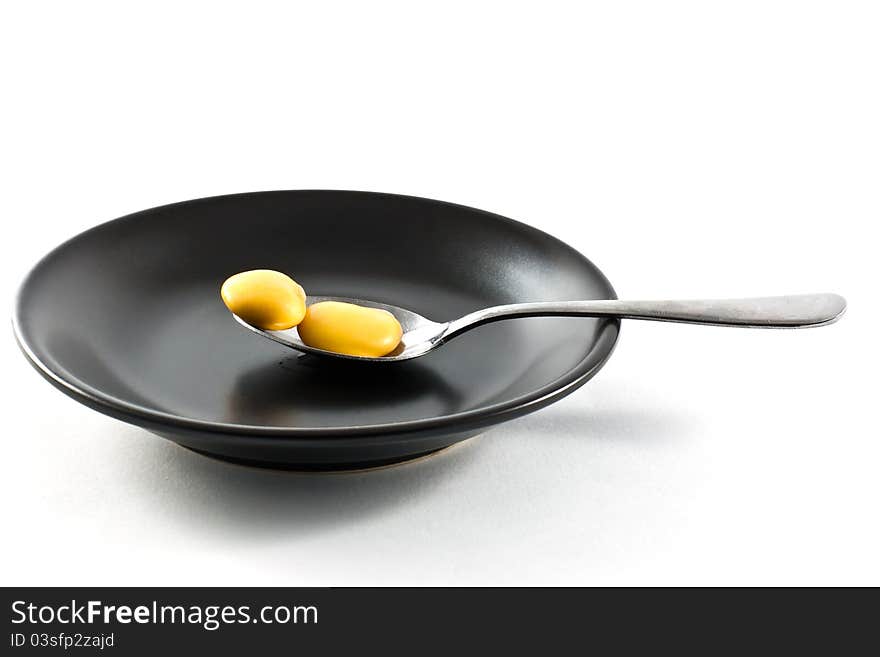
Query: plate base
x=329, y=468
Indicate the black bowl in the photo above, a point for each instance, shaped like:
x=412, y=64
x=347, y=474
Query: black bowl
x=127, y=319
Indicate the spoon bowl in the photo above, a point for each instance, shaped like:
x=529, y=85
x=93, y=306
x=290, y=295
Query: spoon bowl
x=420, y=334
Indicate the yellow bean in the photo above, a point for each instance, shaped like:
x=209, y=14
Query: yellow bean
x=265, y=298
x=350, y=329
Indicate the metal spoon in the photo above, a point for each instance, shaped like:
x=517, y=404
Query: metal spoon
x=421, y=335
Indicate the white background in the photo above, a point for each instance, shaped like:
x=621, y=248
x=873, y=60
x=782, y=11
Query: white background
x=689, y=148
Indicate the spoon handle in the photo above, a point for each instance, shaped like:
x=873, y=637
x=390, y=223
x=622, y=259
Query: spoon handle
x=794, y=311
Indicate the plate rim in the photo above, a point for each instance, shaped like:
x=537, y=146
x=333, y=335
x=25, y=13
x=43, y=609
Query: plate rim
x=158, y=420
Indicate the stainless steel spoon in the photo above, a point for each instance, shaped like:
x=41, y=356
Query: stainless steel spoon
x=421, y=335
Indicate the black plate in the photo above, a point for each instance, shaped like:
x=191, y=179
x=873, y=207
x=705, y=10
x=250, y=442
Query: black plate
x=127, y=319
